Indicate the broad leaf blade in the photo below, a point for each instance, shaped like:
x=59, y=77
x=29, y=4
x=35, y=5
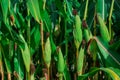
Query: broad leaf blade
x=5, y=6
x=111, y=58
x=101, y=8
x=46, y=19
x=35, y=40
x=93, y=71
x=66, y=73
x=19, y=66
x=113, y=75
x=33, y=6
x=25, y=54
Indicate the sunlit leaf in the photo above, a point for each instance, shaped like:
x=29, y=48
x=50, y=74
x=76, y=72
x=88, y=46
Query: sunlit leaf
x=101, y=8
x=93, y=71
x=5, y=6
x=110, y=58
x=33, y=6
x=25, y=54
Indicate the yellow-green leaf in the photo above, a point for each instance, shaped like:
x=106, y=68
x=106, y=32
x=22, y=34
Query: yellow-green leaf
x=25, y=54
x=111, y=73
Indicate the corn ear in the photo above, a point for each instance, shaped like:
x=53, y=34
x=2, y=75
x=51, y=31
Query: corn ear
x=77, y=32
x=80, y=61
x=61, y=64
x=103, y=30
x=87, y=34
x=77, y=22
x=47, y=53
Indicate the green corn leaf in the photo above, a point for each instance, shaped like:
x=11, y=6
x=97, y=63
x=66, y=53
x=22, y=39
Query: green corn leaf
x=47, y=53
x=69, y=7
x=6, y=57
x=66, y=73
x=5, y=5
x=53, y=46
x=115, y=46
x=109, y=71
x=46, y=19
x=33, y=6
x=109, y=58
x=18, y=65
x=36, y=36
x=16, y=20
x=6, y=30
x=101, y=8
x=58, y=4
x=25, y=53
x=112, y=73
x=35, y=40
x=20, y=21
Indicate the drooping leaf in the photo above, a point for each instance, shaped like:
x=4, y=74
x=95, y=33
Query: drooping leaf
x=25, y=54
x=110, y=58
x=93, y=71
x=33, y=6
x=112, y=73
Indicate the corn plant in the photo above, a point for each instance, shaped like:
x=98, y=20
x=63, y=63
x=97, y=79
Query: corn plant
x=59, y=40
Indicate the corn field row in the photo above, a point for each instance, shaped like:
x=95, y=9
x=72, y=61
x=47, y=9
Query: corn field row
x=59, y=40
